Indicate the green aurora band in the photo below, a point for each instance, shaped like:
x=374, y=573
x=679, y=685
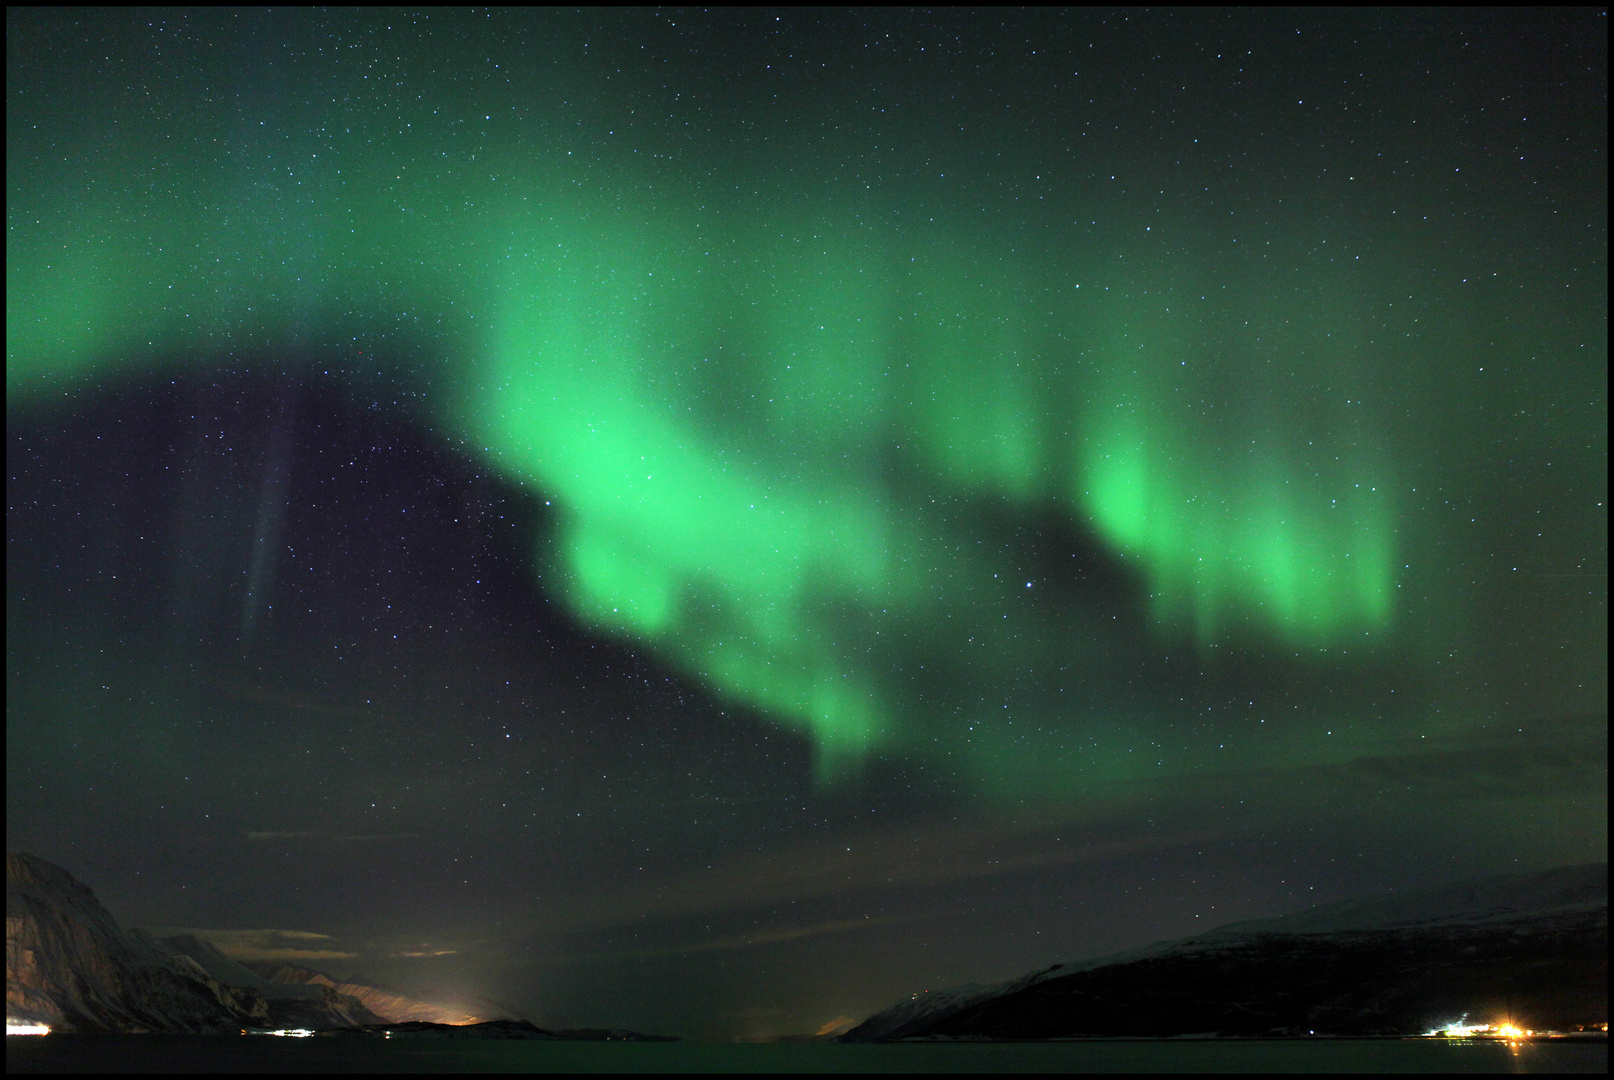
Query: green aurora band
x=722, y=441
x=788, y=445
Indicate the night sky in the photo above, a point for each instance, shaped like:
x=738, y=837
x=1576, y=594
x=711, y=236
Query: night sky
x=711, y=522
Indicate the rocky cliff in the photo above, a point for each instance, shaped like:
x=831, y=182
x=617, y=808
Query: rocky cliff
x=70, y=965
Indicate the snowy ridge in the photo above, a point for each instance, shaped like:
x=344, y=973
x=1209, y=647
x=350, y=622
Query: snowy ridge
x=291, y=1005
x=1567, y=888
x=919, y=1009
x=387, y=1004
x=1567, y=900
x=71, y=966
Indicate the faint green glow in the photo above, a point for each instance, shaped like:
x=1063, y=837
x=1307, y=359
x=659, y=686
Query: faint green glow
x=1240, y=513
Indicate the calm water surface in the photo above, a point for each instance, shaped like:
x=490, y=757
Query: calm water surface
x=164, y=1053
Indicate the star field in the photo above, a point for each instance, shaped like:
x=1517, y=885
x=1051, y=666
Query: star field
x=838, y=500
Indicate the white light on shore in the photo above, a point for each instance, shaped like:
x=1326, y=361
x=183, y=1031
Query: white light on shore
x=1464, y=1030
x=23, y=1027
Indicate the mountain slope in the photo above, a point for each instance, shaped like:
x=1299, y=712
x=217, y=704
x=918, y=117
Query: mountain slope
x=388, y=1006
x=918, y=1011
x=1528, y=947
x=291, y=1005
x=70, y=965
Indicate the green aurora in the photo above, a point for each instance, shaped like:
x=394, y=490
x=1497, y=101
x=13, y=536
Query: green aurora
x=821, y=446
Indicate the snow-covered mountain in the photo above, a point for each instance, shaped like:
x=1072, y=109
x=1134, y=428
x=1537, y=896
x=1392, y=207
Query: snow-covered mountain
x=389, y=1005
x=70, y=965
x=1532, y=946
x=1540, y=892
x=291, y=1004
x=918, y=1010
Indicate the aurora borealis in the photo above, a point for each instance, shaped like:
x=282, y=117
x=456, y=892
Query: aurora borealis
x=1049, y=423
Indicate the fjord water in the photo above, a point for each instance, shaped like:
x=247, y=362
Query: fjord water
x=182, y=1054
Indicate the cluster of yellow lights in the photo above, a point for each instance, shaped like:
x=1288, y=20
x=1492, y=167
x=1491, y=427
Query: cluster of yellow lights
x=24, y=1027
x=296, y=1033
x=1504, y=1030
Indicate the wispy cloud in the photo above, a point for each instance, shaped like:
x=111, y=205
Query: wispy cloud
x=1481, y=772
x=836, y=1026
x=752, y=940
x=894, y=858
x=1102, y=827
x=265, y=944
